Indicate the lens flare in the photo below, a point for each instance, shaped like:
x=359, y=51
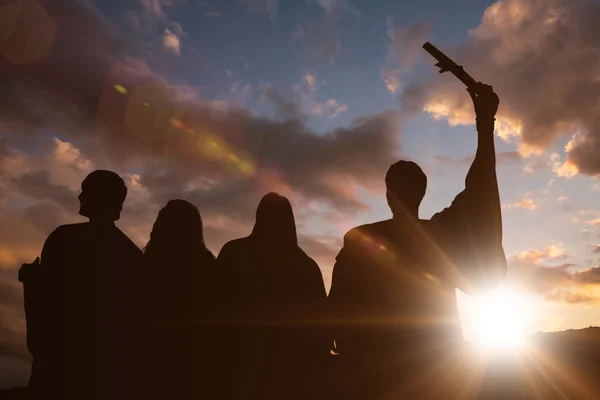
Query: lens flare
x=502, y=321
x=177, y=123
x=27, y=31
x=119, y=88
x=212, y=146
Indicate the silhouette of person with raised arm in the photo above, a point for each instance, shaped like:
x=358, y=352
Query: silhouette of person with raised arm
x=180, y=271
x=85, y=300
x=393, y=297
x=274, y=294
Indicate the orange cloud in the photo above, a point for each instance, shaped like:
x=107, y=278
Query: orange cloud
x=546, y=91
x=526, y=203
x=572, y=298
x=537, y=271
x=171, y=42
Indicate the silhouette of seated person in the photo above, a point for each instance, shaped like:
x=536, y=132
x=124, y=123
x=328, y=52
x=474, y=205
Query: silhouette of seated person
x=393, y=293
x=180, y=272
x=87, y=292
x=274, y=294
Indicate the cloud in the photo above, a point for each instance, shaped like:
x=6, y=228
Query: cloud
x=310, y=104
x=311, y=82
x=323, y=249
x=94, y=105
x=281, y=163
x=155, y=7
x=177, y=28
x=589, y=276
x=536, y=165
x=526, y=203
x=333, y=108
x=565, y=169
x=535, y=271
x=508, y=157
x=502, y=158
x=283, y=108
x=60, y=93
x=240, y=93
x=12, y=321
x=547, y=84
x=171, y=42
x=264, y=7
x=391, y=78
x=403, y=51
x=330, y=5
x=572, y=298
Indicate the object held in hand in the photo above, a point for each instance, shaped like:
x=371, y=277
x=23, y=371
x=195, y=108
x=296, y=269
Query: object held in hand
x=446, y=64
x=27, y=270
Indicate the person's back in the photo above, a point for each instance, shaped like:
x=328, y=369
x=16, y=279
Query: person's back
x=274, y=294
x=181, y=304
x=397, y=299
x=393, y=294
x=89, y=294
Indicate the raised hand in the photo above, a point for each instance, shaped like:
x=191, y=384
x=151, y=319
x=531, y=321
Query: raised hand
x=485, y=100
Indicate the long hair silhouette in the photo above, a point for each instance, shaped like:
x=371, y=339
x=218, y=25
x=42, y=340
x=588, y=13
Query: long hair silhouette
x=275, y=222
x=178, y=232
x=274, y=292
x=180, y=281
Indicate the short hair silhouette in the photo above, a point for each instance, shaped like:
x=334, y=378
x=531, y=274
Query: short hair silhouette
x=275, y=221
x=178, y=226
x=102, y=195
x=406, y=185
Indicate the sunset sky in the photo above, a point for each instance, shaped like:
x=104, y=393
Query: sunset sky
x=218, y=102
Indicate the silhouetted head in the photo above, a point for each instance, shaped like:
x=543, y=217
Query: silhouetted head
x=406, y=184
x=102, y=196
x=275, y=221
x=178, y=230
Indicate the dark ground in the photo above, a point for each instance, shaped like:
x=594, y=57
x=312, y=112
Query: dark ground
x=558, y=365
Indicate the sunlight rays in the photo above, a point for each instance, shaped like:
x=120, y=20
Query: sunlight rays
x=502, y=321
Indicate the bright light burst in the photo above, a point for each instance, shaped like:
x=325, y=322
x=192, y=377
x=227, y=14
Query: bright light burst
x=501, y=321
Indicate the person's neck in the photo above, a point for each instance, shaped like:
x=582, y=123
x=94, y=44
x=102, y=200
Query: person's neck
x=406, y=216
x=102, y=222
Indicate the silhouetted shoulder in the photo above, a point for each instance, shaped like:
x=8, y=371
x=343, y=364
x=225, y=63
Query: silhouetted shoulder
x=233, y=246
x=306, y=257
x=70, y=229
x=309, y=261
x=365, y=233
x=128, y=242
x=231, y=252
x=60, y=235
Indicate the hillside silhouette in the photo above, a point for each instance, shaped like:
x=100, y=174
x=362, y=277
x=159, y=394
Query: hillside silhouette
x=556, y=365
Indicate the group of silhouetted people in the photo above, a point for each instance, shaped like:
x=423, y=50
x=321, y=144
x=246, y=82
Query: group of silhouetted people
x=106, y=320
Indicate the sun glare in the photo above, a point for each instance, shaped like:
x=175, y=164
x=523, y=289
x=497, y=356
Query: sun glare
x=501, y=321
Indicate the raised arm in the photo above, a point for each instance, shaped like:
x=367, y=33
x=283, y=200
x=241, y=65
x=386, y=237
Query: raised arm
x=482, y=174
x=472, y=226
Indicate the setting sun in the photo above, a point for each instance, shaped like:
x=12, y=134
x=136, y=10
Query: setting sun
x=499, y=321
